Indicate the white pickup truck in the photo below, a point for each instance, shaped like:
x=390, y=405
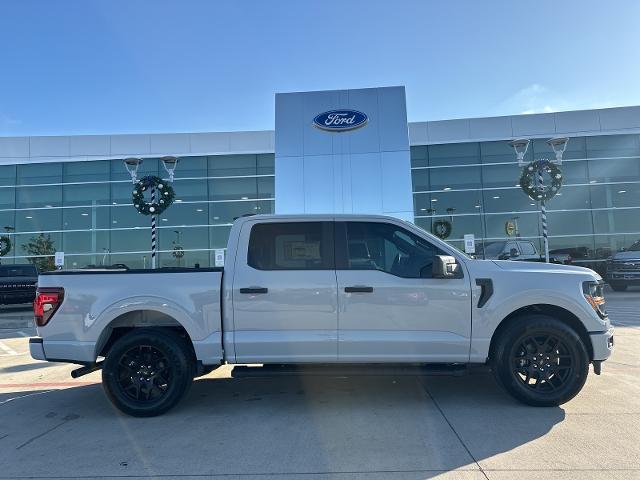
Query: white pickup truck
x=329, y=290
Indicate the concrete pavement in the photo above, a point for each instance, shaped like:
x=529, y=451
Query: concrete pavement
x=52, y=426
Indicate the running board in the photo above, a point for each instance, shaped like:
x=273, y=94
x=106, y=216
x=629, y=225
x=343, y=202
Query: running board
x=350, y=370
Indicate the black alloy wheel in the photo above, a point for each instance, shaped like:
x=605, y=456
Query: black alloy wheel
x=540, y=360
x=148, y=371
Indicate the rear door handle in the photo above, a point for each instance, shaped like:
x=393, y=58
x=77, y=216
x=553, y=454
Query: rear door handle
x=254, y=290
x=358, y=289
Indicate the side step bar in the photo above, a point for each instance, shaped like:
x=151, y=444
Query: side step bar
x=350, y=370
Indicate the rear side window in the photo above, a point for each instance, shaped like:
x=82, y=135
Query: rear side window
x=527, y=248
x=18, y=271
x=291, y=246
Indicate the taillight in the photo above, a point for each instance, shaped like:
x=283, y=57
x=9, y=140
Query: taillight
x=47, y=301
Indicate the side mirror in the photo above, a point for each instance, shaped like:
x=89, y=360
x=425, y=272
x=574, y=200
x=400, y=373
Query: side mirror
x=513, y=253
x=445, y=266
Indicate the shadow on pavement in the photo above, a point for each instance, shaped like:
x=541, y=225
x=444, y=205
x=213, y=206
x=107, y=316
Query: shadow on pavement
x=418, y=427
x=26, y=367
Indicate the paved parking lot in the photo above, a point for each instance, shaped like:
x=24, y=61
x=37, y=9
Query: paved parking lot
x=52, y=426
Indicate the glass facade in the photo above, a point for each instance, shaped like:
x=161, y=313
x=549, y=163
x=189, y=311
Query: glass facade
x=475, y=187
x=85, y=209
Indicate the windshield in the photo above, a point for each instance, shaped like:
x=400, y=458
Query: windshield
x=491, y=249
x=18, y=271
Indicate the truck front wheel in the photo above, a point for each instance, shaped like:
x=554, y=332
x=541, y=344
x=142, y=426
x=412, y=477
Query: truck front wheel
x=618, y=287
x=541, y=361
x=147, y=372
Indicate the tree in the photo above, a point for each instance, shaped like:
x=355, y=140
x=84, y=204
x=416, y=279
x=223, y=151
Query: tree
x=41, y=245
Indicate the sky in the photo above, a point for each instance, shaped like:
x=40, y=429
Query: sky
x=98, y=67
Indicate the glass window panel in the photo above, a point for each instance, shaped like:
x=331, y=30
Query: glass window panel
x=96, y=242
x=619, y=195
x=616, y=221
x=7, y=174
x=7, y=198
x=188, y=239
x=137, y=240
x=579, y=248
x=460, y=226
x=127, y=216
x=184, y=214
x=91, y=171
x=501, y=175
x=420, y=180
x=454, y=154
x=85, y=218
x=507, y=200
x=455, y=178
x=233, y=189
x=460, y=202
x=189, y=167
x=574, y=172
x=232, y=165
x=199, y=259
x=38, y=173
x=38, y=220
x=419, y=156
x=607, y=146
x=188, y=190
x=527, y=225
x=219, y=236
x=227, y=212
x=86, y=194
x=570, y=198
x=500, y=152
x=131, y=260
x=266, y=187
x=266, y=164
x=40, y=196
x=22, y=246
x=616, y=170
x=569, y=223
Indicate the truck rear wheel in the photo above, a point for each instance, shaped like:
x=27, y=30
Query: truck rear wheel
x=540, y=361
x=147, y=372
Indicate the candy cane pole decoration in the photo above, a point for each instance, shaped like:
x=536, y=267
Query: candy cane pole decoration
x=153, y=230
x=543, y=211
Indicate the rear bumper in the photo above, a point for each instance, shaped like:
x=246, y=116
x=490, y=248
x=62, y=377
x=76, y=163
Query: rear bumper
x=36, y=348
x=602, y=343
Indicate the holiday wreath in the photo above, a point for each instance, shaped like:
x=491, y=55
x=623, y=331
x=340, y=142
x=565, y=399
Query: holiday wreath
x=529, y=180
x=164, y=195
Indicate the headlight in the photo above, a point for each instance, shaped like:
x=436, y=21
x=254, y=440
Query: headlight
x=594, y=294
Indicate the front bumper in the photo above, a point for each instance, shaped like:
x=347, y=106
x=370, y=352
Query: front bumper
x=36, y=348
x=602, y=343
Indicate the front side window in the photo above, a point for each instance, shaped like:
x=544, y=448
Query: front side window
x=527, y=248
x=390, y=249
x=291, y=246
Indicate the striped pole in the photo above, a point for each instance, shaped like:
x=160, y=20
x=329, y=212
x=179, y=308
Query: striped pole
x=153, y=230
x=543, y=211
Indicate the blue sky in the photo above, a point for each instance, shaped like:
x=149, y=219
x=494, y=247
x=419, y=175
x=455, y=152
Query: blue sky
x=81, y=67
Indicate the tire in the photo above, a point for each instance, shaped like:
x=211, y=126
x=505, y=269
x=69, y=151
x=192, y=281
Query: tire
x=534, y=338
x=166, y=366
x=618, y=287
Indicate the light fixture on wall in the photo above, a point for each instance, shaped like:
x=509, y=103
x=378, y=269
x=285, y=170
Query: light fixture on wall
x=559, y=145
x=520, y=145
x=132, y=164
x=170, y=163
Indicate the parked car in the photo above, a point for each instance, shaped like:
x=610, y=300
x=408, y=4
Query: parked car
x=522, y=250
x=623, y=269
x=326, y=290
x=18, y=283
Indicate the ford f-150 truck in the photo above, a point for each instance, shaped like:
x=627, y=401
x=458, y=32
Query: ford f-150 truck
x=326, y=289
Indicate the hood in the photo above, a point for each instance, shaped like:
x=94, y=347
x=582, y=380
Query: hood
x=627, y=256
x=541, y=267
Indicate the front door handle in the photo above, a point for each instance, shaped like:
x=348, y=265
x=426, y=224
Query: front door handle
x=358, y=289
x=254, y=290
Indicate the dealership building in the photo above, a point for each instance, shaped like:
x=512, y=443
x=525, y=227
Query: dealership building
x=348, y=151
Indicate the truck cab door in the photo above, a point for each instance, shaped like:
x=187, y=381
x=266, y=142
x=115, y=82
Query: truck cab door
x=285, y=293
x=390, y=309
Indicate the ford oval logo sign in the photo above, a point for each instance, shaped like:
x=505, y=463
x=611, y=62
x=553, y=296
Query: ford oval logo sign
x=340, y=120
